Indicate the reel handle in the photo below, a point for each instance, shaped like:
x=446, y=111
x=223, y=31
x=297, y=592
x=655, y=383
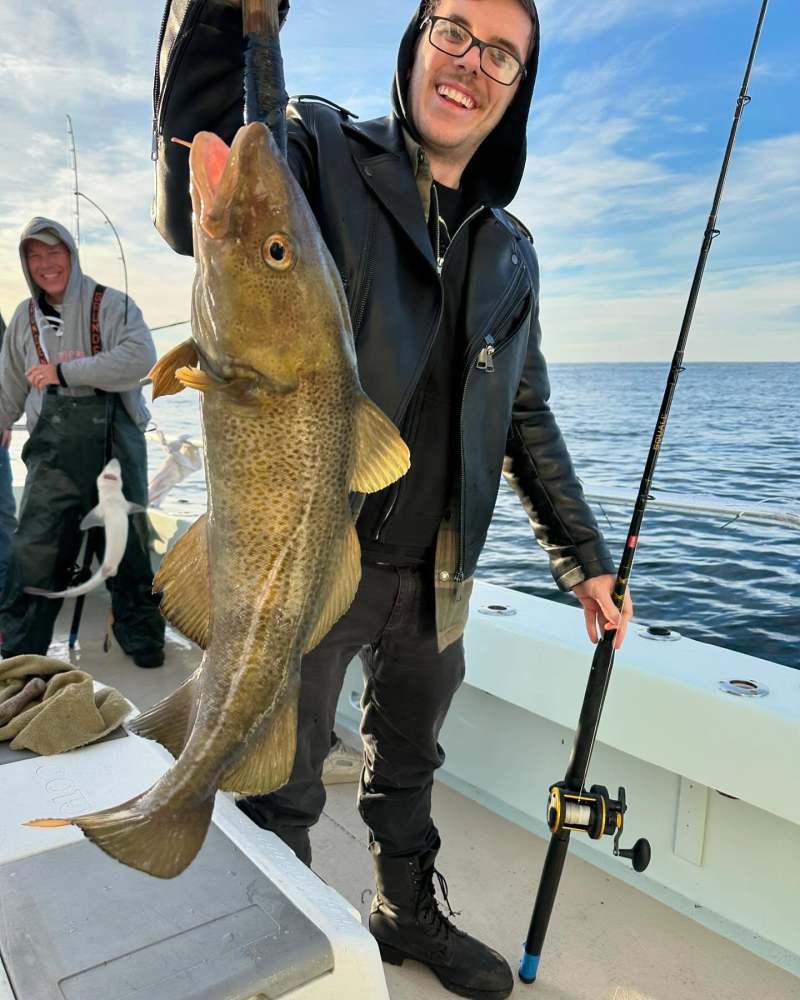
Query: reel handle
x=639, y=855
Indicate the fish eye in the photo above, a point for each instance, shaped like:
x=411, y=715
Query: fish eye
x=278, y=252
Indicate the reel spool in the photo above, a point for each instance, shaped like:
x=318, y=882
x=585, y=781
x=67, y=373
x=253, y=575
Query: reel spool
x=596, y=813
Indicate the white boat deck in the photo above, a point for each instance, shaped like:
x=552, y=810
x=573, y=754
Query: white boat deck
x=607, y=940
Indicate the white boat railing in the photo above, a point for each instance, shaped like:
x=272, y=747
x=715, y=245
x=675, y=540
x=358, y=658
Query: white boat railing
x=707, y=506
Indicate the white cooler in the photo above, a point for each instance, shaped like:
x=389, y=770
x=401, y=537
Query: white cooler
x=245, y=920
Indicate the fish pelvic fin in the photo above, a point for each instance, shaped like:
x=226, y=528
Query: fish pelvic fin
x=163, y=372
x=182, y=580
x=196, y=378
x=381, y=455
x=170, y=721
x=342, y=589
x=268, y=757
x=156, y=839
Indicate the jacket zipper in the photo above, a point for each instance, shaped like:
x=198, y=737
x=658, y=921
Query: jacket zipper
x=439, y=268
x=357, y=314
x=159, y=97
x=483, y=361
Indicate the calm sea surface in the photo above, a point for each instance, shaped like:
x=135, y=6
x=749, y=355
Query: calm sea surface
x=734, y=433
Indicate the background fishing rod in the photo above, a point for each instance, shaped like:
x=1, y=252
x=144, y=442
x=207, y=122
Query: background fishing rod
x=570, y=807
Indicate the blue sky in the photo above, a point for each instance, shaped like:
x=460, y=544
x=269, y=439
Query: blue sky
x=632, y=109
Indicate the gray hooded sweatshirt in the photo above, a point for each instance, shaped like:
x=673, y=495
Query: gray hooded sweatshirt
x=127, y=356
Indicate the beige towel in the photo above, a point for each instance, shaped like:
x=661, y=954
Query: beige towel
x=68, y=715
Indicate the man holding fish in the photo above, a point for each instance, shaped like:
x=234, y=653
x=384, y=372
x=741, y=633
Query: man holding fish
x=72, y=359
x=442, y=290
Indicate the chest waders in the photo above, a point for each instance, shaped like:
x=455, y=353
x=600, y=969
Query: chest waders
x=71, y=442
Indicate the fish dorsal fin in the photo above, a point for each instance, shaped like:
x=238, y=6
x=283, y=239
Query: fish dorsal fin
x=382, y=456
x=343, y=588
x=171, y=720
x=163, y=371
x=268, y=757
x=182, y=580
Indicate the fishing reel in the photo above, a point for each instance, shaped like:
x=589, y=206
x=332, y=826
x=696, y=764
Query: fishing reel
x=596, y=813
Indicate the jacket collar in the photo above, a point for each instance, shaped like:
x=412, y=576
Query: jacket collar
x=390, y=166
x=385, y=167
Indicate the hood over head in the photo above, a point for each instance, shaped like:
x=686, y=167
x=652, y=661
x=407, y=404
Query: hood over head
x=495, y=171
x=51, y=232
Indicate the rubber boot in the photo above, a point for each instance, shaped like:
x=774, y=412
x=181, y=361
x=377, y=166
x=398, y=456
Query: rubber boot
x=406, y=921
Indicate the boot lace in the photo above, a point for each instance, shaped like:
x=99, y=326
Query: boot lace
x=428, y=909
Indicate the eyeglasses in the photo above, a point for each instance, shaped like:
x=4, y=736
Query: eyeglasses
x=454, y=39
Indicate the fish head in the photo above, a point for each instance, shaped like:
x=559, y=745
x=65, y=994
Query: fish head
x=110, y=479
x=267, y=298
x=112, y=472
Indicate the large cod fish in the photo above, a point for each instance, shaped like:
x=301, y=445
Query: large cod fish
x=261, y=578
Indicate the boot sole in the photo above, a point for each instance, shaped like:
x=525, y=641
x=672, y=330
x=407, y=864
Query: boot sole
x=394, y=957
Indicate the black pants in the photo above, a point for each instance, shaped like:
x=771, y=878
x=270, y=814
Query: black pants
x=408, y=687
x=64, y=455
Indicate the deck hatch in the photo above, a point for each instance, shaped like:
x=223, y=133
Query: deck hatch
x=76, y=925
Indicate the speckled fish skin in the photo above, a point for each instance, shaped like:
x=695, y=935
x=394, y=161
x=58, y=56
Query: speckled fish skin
x=279, y=437
x=288, y=434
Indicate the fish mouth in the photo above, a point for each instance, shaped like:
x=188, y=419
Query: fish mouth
x=216, y=170
x=225, y=368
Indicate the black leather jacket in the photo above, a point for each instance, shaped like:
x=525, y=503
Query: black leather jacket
x=360, y=183
x=364, y=195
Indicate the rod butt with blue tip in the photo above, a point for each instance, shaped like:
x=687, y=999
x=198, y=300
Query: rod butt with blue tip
x=528, y=967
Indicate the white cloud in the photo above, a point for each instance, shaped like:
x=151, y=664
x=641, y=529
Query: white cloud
x=615, y=203
x=735, y=310
x=576, y=20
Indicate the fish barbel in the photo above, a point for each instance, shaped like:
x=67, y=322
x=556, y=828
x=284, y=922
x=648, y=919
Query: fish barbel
x=289, y=433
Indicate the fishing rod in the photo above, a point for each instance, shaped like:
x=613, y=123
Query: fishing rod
x=570, y=807
x=77, y=194
x=265, y=96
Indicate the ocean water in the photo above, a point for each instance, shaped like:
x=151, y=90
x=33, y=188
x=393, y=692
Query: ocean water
x=734, y=434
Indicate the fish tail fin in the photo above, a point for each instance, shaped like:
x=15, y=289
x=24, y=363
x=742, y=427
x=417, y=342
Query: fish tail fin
x=82, y=588
x=154, y=838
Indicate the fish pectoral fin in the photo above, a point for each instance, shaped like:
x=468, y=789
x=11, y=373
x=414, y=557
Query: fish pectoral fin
x=182, y=579
x=170, y=721
x=94, y=519
x=196, y=378
x=163, y=371
x=136, y=508
x=268, y=757
x=381, y=455
x=343, y=588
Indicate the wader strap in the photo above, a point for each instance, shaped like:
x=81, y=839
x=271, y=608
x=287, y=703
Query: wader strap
x=94, y=321
x=94, y=325
x=35, y=333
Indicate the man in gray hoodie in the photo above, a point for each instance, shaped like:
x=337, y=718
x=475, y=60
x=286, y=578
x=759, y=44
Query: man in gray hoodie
x=8, y=519
x=72, y=359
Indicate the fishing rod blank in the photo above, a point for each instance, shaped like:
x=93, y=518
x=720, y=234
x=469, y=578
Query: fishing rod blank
x=265, y=96
x=571, y=807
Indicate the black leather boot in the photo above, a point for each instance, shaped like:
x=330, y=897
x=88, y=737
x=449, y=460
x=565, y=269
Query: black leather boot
x=406, y=921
